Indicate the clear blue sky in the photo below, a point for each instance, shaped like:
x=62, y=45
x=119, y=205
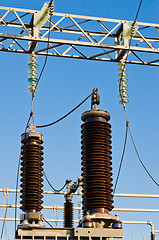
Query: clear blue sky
x=64, y=84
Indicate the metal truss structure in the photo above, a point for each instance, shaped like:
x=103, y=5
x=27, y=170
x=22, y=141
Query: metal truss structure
x=79, y=37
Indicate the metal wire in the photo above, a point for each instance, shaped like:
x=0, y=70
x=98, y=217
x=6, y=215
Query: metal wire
x=4, y=222
x=6, y=216
x=16, y=194
x=50, y=124
x=31, y=114
x=48, y=222
x=122, y=157
x=4, y=209
x=138, y=11
x=59, y=190
x=137, y=150
x=141, y=160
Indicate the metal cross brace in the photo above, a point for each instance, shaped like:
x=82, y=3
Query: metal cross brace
x=80, y=37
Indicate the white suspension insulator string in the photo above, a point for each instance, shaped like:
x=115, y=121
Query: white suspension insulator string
x=40, y=19
x=122, y=83
x=32, y=72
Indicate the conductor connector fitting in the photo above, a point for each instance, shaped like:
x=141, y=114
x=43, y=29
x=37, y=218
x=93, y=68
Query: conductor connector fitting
x=95, y=99
x=130, y=30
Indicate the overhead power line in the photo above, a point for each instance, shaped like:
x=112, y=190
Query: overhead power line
x=138, y=10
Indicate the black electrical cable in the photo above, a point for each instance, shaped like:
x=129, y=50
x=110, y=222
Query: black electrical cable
x=50, y=124
x=16, y=193
x=137, y=150
x=51, y=184
x=122, y=157
x=128, y=127
x=140, y=158
x=138, y=10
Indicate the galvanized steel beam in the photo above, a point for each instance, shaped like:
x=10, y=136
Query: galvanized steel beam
x=80, y=37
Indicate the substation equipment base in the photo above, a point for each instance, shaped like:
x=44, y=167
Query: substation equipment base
x=70, y=233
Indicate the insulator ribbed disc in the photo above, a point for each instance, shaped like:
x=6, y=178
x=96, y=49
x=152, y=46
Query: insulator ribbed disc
x=31, y=172
x=68, y=214
x=96, y=165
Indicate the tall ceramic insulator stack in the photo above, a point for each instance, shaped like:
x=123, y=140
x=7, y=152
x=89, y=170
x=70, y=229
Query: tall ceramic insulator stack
x=96, y=162
x=31, y=172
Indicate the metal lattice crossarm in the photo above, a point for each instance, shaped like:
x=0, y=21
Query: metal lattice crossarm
x=79, y=37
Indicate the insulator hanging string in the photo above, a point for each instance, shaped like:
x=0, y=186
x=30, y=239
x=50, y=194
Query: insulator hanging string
x=123, y=91
x=51, y=13
x=32, y=72
x=132, y=29
x=34, y=81
x=122, y=83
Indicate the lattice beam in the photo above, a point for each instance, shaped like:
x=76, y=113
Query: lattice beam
x=75, y=36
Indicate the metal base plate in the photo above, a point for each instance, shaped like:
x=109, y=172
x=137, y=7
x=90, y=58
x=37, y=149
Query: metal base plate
x=69, y=233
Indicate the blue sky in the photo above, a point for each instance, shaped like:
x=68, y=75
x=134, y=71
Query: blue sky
x=63, y=85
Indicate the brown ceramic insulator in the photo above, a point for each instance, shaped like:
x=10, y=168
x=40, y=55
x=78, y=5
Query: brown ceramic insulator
x=96, y=165
x=68, y=214
x=31, y=173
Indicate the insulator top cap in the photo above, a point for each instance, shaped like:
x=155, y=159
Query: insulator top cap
x=95, y=113
x=35, y=135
